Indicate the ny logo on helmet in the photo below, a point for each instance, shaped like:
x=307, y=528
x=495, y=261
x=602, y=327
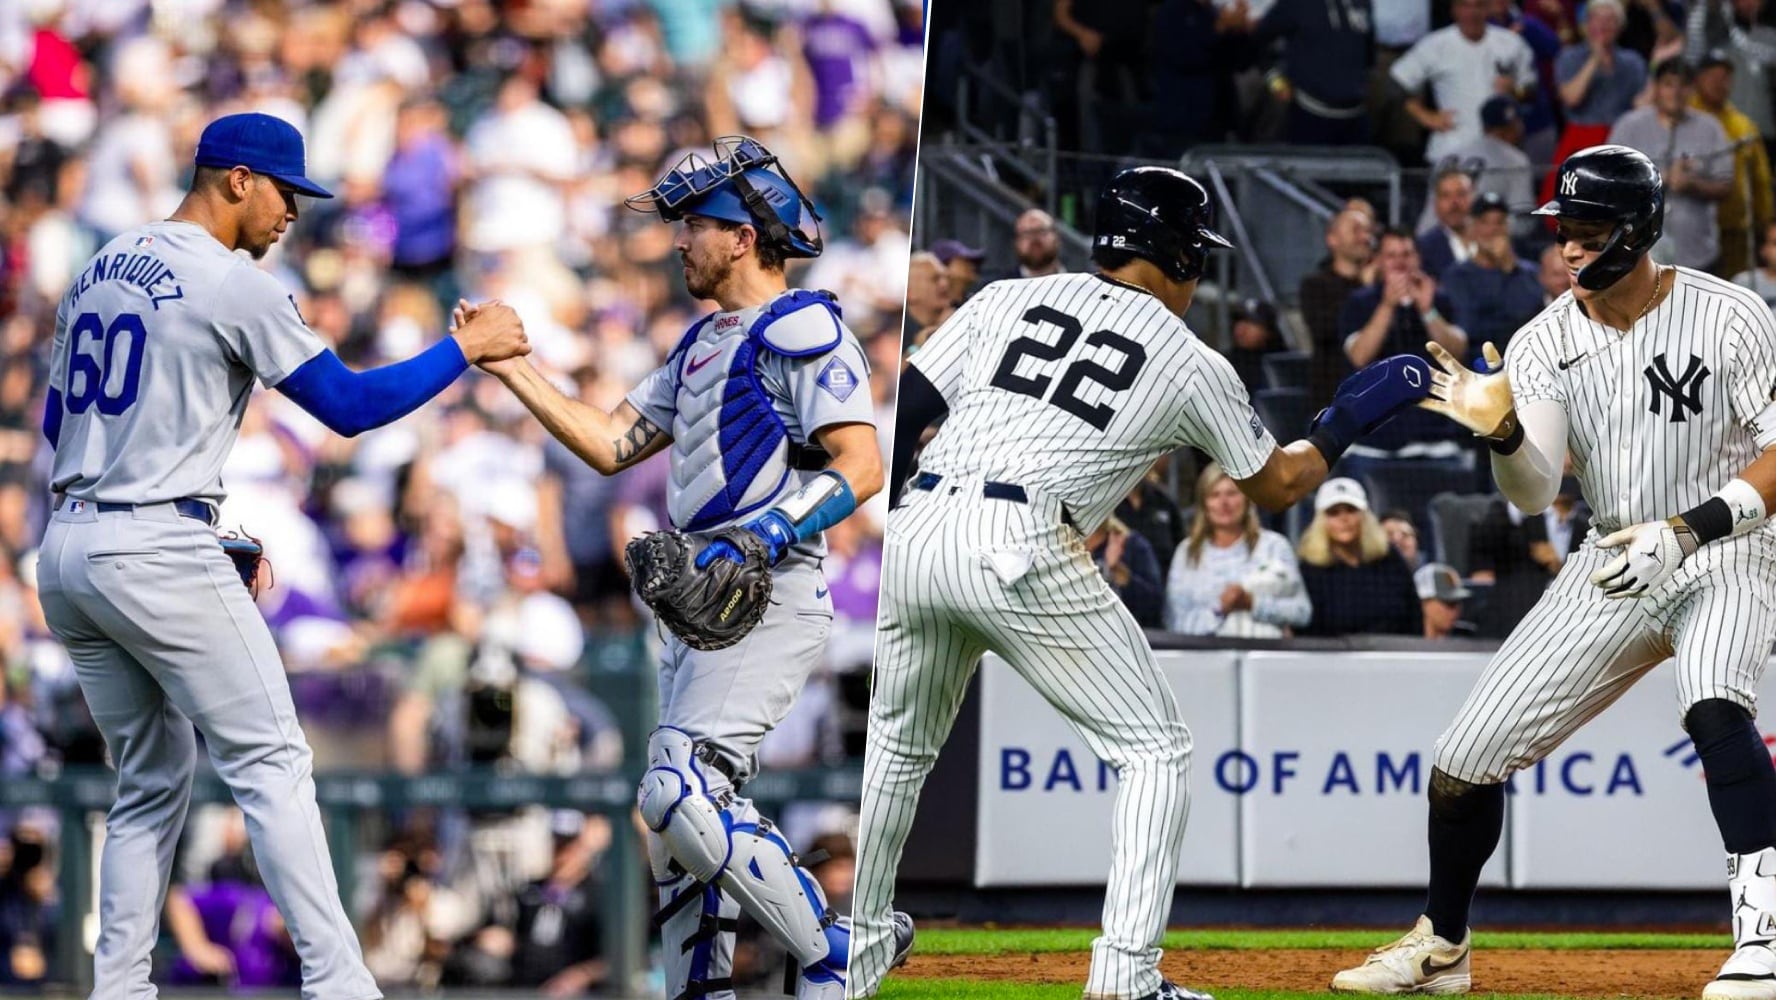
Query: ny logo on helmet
x=1569, y=183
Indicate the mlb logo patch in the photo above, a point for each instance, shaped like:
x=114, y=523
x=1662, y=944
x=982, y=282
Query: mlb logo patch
x=77, y=506
x=838, y=379
x=144, y=241
x=1257, y=428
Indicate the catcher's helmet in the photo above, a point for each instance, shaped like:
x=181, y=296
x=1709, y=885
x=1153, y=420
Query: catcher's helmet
x=1611, y=184
x=746, y=184
x=1161, y=215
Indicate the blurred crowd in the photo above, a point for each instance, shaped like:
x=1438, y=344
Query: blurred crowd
x=448, y=590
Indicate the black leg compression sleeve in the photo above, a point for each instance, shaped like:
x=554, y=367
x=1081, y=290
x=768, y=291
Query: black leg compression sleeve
x=1741, y=779
x=1466, y=821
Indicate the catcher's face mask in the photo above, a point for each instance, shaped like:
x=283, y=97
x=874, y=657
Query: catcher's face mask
x=746, y=184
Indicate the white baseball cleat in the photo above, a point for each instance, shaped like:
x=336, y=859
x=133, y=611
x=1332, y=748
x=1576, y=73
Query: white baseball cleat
x=1420, y=962
x=1750, y=974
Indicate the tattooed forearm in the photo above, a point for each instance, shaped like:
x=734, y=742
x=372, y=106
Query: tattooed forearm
x=636, y=439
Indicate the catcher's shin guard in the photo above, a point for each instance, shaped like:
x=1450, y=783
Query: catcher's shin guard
x=722, y=840
x=697, y=924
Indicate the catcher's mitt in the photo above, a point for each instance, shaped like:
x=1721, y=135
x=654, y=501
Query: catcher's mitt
x=710, y=608
x=249, y=558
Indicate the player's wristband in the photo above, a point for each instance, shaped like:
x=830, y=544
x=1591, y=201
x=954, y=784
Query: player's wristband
x=821, y=503
x=1737, y=509
x=1512, y=440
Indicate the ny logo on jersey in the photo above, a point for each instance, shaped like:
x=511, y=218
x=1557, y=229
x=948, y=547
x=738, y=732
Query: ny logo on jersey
x=1569, y=183
x=1685, y=391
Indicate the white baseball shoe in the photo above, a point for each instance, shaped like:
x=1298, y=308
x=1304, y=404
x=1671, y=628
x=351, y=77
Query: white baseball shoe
x=1420, y=962
x=1750, y=974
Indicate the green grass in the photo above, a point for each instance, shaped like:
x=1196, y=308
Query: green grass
x=968, y=989
x=1024, y=941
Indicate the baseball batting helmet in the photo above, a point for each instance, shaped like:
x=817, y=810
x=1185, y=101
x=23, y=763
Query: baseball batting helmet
x=1611, y=184
x=745, y=184
x=1158, y=214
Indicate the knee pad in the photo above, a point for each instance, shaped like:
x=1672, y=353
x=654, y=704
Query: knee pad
x=674, y=803
x=1727, y=739
x=1456, y=800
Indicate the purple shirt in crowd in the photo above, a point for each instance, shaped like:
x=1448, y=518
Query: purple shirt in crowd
x=419, y=187
x=835, y=47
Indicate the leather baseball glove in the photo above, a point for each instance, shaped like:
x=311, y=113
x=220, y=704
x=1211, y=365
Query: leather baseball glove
x=249, y=558
x=709, y=607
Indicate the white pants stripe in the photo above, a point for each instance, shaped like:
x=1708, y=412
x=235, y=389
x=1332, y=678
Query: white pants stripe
x=1060, y=627
x=1576, y=651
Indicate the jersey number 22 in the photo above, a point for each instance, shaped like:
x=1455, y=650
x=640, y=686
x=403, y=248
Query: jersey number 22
x=104, y=363
x=1066, y=394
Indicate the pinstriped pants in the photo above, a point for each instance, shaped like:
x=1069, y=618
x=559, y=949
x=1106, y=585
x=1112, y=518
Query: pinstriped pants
x=1576, y=651
x=946, y=600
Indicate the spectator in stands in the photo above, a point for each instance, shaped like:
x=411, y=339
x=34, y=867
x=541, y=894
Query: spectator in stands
x=1037, y=244
x=1692, y=152
x=1440, y=596
x=1398, y=314
x=1128, y=563
x=1599, y=80
x=1552, y=275
x=1150, y=512
x=1403, y=536
x=1654, y=29
x=1463, y=65
x=559, y=944
x=1494, y=293
x=1232, y=577
x=1327, y=51
x=1350, y=252
x=1399, y=25
x=1505, y=169
x=1541, y=125
x=1357, y=582
x=928, y=301
x=1747, y=208
x=1518, y=553
x=1098, y=61
x=962, y=263
x=1762, y=279
x=1737, y=27
x=1195, y=50
x=28, y=908
x=1255, y=334
x=1447, y=242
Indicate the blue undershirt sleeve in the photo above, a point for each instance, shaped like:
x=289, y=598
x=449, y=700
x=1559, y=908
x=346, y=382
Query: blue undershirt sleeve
x=350, y=403
x=52, y=418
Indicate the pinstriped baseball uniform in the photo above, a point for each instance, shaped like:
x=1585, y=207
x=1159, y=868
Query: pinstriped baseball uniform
x=1659, y=419
x=1062, y=391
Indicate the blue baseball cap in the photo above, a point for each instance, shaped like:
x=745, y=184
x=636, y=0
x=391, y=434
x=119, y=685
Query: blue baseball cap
x=262, y=144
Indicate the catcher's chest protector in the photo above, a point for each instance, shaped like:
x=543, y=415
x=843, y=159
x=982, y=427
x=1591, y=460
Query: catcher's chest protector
x=730, y=450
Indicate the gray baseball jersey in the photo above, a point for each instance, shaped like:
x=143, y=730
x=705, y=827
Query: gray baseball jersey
x=1062, y=391
x=1659, y=418
x=157, y=344
x=156, y=347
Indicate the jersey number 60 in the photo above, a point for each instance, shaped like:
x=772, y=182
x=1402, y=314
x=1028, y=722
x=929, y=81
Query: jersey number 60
x=1066, y=395
x=96, y=373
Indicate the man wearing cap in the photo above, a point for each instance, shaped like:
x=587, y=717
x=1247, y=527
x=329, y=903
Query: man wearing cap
x=1440, y=594
x=1493, y=292
x=157, y=345
x=1747, y=209
x=1692, y=153
x=1505, y=168
x=962, y=262
x=764, y=409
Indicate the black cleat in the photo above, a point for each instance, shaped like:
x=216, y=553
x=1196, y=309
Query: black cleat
x=1169, y=990
x=903, y=938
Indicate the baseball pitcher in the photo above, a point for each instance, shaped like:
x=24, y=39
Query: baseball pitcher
x=1657, y=382
x=157, y=345
x=1060, y=392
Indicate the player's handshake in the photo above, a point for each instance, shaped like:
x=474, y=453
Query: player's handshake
x=489, y=332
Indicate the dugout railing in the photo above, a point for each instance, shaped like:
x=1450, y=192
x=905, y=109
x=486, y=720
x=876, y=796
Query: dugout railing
x=350, y=801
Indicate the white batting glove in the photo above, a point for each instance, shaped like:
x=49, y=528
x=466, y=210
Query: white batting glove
x=1652, y=553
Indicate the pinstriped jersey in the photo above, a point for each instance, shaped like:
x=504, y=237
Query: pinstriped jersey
x=1074, y=384
x=1659, y=417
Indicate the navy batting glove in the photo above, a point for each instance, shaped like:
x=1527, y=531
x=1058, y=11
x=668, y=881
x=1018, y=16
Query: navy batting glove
x=1368, y=399
x=772, y=527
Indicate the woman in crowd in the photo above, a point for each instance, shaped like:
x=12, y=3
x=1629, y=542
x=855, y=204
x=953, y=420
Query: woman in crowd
x=1357, y=581
x=1231, y=577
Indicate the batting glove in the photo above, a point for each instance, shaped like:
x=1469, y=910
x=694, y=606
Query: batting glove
x=1652, y=553
x=773, y=526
